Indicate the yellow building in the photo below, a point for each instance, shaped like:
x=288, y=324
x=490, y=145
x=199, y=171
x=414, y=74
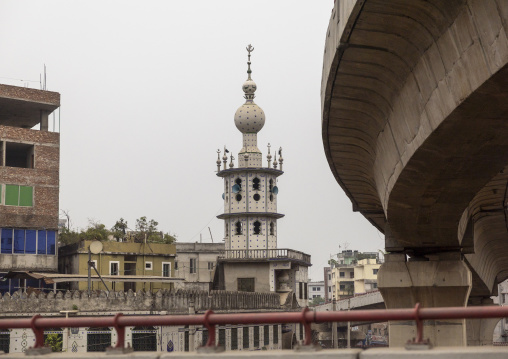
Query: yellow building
x=351, y=279
x=120, y=259
x=365, y=275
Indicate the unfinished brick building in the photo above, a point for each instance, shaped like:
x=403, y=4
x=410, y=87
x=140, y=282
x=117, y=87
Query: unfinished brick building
x=29, y=182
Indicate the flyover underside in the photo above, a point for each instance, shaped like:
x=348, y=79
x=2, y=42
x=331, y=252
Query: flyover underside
x=415, y=102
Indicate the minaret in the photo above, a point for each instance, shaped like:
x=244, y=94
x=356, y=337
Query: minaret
x=250, y=190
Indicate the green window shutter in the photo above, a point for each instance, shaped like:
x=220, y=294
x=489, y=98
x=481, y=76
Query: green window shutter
x=11, y=195
x=26, y=195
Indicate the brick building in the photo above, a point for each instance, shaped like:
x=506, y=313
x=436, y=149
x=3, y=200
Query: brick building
x=29, y=182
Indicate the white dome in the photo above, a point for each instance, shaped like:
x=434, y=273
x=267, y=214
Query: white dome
x=249, y=87
x=249, y=118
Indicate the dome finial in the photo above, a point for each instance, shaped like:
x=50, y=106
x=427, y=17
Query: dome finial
x=249, y=50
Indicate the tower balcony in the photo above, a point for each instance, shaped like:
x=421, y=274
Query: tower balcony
x=258, y=255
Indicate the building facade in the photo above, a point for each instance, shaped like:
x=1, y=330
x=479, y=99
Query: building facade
x=317, y=289
x=252, y=261
x=354, y=273
x=196, y=264
x=29, y=183
x=120, y=259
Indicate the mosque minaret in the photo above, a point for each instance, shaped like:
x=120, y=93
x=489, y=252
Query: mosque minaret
x=250, y=190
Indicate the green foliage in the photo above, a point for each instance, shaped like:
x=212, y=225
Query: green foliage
x=74, y=307
x=54, y=341
x=317, y=301
x=119, y=230
x=68, y=236
x=333, y=263
x=95, y=231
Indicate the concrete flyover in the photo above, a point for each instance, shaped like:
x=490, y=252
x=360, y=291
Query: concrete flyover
x=415, y=130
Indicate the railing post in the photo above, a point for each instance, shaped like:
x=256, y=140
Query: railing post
x=120, y=337
x=38, y=332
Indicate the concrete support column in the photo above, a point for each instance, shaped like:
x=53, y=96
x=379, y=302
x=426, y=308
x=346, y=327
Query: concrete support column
x=480, y=331
x=441, y=280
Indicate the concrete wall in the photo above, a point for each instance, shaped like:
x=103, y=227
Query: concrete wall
x=203, y=253
x=260, y=271
x=171, y=301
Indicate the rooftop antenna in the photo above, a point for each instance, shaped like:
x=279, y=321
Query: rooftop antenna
x=44, y=77
x=210, y=233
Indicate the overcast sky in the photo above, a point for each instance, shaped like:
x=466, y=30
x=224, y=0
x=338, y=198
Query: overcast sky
x=148, y=92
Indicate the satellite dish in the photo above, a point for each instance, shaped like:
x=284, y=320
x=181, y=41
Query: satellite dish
x=95, y=247
x=275, y=190
x=223, y=196
x=236, y=188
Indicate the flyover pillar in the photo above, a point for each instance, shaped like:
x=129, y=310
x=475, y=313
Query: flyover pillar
x=480, y=331
x=438, y=280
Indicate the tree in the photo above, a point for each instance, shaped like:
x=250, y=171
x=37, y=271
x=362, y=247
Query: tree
x=147, y=230
x=317, y=301
x=68, y=236
x=119, y=230
x=54, y=341
x=95, y=231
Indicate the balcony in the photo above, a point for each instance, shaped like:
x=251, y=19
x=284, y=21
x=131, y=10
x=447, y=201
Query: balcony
x=280, y=254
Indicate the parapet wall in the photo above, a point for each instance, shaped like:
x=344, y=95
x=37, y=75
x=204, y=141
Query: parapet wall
x=176, y=301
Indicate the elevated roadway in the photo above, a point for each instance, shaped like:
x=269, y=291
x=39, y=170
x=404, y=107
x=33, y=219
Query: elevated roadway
x=415, y=130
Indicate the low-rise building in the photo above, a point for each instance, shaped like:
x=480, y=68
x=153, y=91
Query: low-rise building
x=29, y=184
x=317, y=289
x=130, y=262
x=354, y=273
x=196, y=264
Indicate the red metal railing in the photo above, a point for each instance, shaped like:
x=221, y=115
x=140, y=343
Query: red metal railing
x=210, y=320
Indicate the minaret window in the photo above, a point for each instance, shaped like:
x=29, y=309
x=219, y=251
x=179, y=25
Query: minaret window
x=256, y=184
x=271, y=197
x=256, y=197
x=257, y=227
x=270, y=187
x=227, y=186
x=238, y=228
x=272, y=229
x=227, y=230
x=238, y=181
x=238, y=197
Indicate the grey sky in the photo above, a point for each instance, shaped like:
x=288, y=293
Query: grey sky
x=149, y=90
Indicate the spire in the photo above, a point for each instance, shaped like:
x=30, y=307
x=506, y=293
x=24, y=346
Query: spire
x=249, y=50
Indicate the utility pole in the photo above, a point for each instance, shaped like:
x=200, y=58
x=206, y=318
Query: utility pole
x=335, y=342
x=349, y=325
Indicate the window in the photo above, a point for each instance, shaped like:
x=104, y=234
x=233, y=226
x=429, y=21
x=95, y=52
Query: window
x=342, y=274
x=27, y=241
x=256, y=336
x=342, y=287
x=186, y=340
x=256, y=197
x=176, y=265
x=144, y=339
x=300, y=294
x=238, y=197
x=222, y=338
x=257, y=227
x=166, y=269
x=329, y=289
x=329, y=277
x=266, y=335
x=238, y=228
x=19, y=155
x=193, y=267
x=227, y=230
x=148, y=265
x=351, y=274
x=114, y=268
x=238, y=181
x=204, y=336
x=245, y=338
x=210, y=266
x=18, y=195
x=272, y=228
x=234, y=338
x=245, y=284
x=5, y=339
x=301, y=331
x=306, y=288
x=374, y=285
x=98, y=339
x=276, y=334
x=256, y=184
x=374, y=271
